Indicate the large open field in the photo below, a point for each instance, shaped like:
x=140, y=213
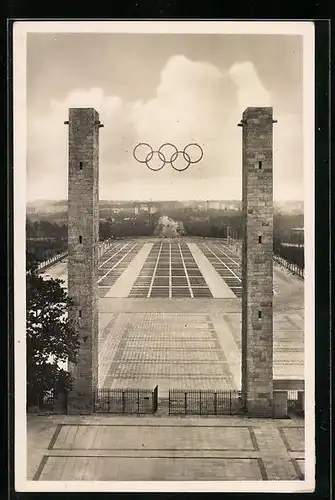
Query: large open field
x=170, y=314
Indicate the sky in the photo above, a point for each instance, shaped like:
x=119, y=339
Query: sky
x=161, y=88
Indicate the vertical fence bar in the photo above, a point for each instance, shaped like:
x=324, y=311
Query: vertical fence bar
x=155, y=398
x=138, y=401
x=123, y=401
x=200, y=402
x=230, y=402
x=185, y=402
x=215, y=404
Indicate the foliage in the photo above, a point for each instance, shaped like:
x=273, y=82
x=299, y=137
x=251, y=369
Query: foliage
x=51, y=337
x=45, y=239
x=132, y=226
x=284, y=223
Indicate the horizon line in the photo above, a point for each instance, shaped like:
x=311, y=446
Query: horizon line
x=160, y=200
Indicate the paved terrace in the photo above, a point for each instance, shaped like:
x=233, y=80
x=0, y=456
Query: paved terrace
x=108, y=448
x=170, y=314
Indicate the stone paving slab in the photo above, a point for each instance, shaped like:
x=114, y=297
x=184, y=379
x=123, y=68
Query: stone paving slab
x=126, y=280
x=172, y=382
x=216, y=284
x=100, y=447
x=169, y=271
x=176, y=305
x=109, y=437
x=288, y=343
x=197, y=349
x=168, y=347
x=148, y=469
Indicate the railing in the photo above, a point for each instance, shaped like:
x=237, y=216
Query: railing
x=51, y=261
x=51, y=403
x=139, y=401
x=289, y=244
x=102, y=248
x=198, y=402
x=236, y=248
x=293, y=268
x=180, y=402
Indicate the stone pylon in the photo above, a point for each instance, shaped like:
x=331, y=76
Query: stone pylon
x=257, y=262
x=83, y=239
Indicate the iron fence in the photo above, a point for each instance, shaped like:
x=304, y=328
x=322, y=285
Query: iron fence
x=102, y=248
x=126, y=400
x=198, y=402
x=294, y=402
x=52, y=260
x=50, y=403
x=292, y=267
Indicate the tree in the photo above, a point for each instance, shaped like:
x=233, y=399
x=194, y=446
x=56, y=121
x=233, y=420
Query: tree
x=51, y=337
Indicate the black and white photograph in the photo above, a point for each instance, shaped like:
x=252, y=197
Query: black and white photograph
x=164, y=256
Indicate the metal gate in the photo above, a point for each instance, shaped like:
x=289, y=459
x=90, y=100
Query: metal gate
x=295, y=401
x=126, y=400
x=205, y=402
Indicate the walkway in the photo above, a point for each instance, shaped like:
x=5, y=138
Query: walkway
x=126, y=281
x=216, y=284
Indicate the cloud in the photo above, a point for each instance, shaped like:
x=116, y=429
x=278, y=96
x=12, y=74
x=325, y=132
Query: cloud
x=251, y=92
x=193, y=102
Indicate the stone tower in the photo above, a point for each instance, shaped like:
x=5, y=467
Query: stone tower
x=83, y=237
x=257, y=262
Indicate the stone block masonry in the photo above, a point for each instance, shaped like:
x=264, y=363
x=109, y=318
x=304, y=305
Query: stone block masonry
x=83, y=238
x=257, y=262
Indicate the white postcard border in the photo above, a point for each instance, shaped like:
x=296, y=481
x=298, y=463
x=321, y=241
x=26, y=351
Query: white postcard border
x=20, y=31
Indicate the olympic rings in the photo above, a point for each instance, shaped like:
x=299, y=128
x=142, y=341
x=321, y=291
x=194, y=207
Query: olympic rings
x=147, y=154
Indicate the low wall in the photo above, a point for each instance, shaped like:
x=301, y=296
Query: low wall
x=236, y=247
x=103, y=247
x=50, y=262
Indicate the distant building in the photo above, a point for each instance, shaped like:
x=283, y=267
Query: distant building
x=199, y=218
x=47, y=208
x=213, y=205
x=153, y=209
x=31, y=210
x=54, y=209
x=289, y=207
x=202, y=206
